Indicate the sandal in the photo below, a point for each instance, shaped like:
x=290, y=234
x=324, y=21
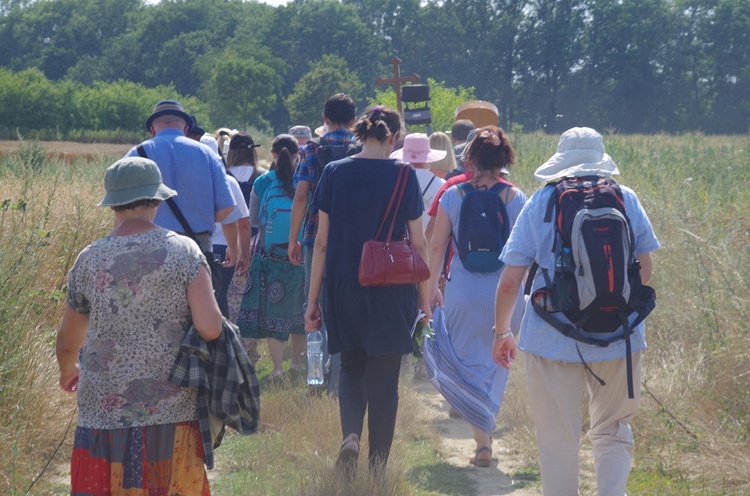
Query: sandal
x=481, y=462
x=277, y=377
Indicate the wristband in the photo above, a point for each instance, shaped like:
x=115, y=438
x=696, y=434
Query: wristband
x=502, y=335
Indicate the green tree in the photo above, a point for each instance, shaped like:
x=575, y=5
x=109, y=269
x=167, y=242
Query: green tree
x=29, y=100
x=550, y=48
x=443, y=103
x=726, y=37
x=326, y=77
x=52, y=36
x=308, y=30
x=623, y=79
x=241, y=92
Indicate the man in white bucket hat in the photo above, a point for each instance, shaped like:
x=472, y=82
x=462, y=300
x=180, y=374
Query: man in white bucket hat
x=556, y=374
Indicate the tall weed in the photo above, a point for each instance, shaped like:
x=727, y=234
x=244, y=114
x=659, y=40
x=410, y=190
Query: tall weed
x=47, y=215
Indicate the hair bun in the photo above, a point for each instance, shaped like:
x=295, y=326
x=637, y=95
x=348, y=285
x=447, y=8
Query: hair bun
x=493, y=138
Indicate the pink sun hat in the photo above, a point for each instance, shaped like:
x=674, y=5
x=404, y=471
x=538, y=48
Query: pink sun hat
x=417, y=150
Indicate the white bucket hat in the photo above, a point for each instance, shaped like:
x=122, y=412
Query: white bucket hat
x=211, y=142
x=417, y=150
x=580, y=152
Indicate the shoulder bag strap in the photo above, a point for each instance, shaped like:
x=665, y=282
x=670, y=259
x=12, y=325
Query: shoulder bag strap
x=424, y=192
x=172, y=205
x=401, y=174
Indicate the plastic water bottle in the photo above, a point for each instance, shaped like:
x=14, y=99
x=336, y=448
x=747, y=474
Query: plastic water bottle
x=315, y=358
x=564, y=262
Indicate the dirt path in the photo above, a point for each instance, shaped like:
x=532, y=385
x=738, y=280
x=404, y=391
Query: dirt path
x=459, y=445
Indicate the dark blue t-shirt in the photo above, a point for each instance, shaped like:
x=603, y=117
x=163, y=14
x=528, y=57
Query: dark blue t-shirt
x=355, y=192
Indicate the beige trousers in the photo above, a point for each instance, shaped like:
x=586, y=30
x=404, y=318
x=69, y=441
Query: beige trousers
x=556, y=391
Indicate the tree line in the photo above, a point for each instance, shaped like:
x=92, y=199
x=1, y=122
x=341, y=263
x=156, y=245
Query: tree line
x=632, y=66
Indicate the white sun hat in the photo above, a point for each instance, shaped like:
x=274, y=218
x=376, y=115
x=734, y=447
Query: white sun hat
x=580, y=152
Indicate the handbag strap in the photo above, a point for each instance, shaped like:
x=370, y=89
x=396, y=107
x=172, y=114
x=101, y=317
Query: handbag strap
x=172, y=205
x=396, y=196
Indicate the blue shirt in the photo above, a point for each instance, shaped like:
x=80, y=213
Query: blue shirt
x=531, y=239
x=195, y=172
x=307, y=170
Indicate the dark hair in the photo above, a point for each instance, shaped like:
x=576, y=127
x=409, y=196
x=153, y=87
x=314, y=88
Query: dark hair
x=135, y=204
x=242, y=150
x=461, y=129
x=340, y=109
x=285, y=146
x=490, y=150
x=378, y=123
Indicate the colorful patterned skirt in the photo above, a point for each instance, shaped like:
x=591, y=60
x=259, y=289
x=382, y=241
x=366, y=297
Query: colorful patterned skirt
x=273, y=301
x=158, y=460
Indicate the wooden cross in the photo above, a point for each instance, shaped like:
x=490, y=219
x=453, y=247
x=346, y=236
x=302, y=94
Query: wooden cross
x=397, y=80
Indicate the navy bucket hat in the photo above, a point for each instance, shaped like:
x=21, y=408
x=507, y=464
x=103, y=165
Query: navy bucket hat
x=168, y=107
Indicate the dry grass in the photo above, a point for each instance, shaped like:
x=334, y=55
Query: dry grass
x=693, y=432
x=40, y=237
x=302, y=433
x=68, y=151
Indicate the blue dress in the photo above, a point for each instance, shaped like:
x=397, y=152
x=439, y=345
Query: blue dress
x=459, y=360
x=355, y=192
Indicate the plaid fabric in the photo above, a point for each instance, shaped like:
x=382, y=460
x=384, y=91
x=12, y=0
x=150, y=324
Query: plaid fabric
x=307, y=171
x=228, y=391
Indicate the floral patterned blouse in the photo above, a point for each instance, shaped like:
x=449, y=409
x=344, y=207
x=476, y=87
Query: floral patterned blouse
x=135, y=290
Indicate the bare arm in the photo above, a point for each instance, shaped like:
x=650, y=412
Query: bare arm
x=70, y=338
x=313, y=318
x=203, y=307
x=504, y=350
x=440, y=238
x=243, y=241
x=220, y=215
x=299, y=206
x=430, y=229
x=416, y=236
x=230, y=234
x=647, y=266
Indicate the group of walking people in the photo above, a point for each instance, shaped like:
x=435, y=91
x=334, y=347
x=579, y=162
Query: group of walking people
x=289, y=257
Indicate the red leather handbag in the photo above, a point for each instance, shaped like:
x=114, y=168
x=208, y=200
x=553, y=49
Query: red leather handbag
x=392, y=263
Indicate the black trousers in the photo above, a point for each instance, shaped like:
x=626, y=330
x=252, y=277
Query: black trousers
x=370, y=384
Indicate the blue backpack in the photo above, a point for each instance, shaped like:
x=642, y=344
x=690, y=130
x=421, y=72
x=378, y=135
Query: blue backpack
x=275, y=218
x=484, y=227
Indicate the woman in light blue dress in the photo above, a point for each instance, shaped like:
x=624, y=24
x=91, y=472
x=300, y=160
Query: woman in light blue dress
x=458, y=360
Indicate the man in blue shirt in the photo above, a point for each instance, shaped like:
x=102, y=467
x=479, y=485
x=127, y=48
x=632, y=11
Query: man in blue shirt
x=191, y=169
x=338, y=114
x=556, y=375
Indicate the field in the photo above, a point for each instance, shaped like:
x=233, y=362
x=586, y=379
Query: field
x=693, y=432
